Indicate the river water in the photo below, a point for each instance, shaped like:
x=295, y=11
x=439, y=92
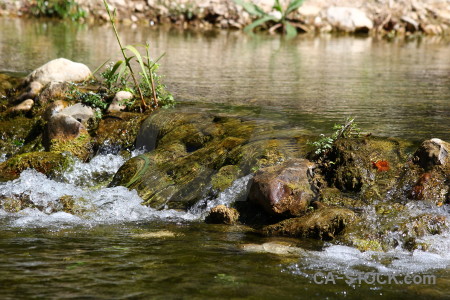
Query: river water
x=119, y=249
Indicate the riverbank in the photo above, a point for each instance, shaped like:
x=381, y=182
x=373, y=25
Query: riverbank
x=403, y=17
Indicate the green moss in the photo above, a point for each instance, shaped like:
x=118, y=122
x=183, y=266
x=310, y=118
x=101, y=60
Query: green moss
x=225, y=177
x=119, y=129
x=350, y=165
x=75, y=206
x=48, y=163
x=80, y=147
x=367, y=245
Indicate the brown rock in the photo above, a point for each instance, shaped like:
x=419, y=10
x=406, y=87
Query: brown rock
x=322, y=224
x=222, y=215
x=283, y=189
x=64, y=127
x=431, y=153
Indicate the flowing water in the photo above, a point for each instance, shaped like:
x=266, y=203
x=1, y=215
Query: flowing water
x=115, y=248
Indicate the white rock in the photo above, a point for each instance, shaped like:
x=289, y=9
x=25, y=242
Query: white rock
x=23, y=106
x=309, y=10
x=118, y=102
x=348, y=19
x=60, y=70
x=79, y=112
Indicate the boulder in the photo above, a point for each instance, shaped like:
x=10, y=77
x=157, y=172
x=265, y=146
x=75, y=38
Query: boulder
x=324, y=224
x=118, y=103
x=284, y=189
x=349, y=19
x=222, y=215
x=60, y=70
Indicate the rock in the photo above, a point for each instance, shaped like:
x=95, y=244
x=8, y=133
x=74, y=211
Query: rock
x=309, y=10
x=118, y=103
x=431, y=153
x=225, y=177
x=64, y=127
x=284, y=190
x=33, y=90
x=80, y=112
x=188, y=146
x=323, y=224
x=66, y=134
x=60, y=70
x=366, y=165
x=52, y=92
x=118, y=130
x=411, y=24
x=54, y=108
x=24, y=106
x=48, y=163
x=14, y=133
x=278, y=248
x=222, y=215
x=348, y=19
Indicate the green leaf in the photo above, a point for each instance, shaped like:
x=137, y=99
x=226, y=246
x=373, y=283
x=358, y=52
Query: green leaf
x=141, y=63
x=122, y=69
x=293, y=5
x=291, y=31
x=251, y=8
x=259, y=22
x=277, y=6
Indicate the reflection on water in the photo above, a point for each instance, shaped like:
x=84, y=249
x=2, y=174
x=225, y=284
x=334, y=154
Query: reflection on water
x=394, y=88
x=118, y=249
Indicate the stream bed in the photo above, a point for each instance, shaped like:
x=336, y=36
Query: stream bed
x=123, y=250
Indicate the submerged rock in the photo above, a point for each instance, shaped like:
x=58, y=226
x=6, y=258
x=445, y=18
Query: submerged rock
x=60, y=70
x=284, y=189
x=324, y=223
x=222, y=215
x=278, y=248
x=188, y=150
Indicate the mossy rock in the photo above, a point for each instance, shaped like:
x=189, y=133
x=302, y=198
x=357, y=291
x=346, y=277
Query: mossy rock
x=324, y=224
x=48, y=163
x=75, y=206
x=366, y=165
x=80, y=147
x=225, y=177
x=17, y=132
x=7, y=85
x=192, y=151
x=118, y=131
x=15, y=203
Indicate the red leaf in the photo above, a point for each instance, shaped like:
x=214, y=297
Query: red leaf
x=381, y=165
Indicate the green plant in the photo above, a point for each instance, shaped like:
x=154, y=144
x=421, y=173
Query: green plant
x=346, y=130
x=58, y=9
x=277, y=19
x=148, y=70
